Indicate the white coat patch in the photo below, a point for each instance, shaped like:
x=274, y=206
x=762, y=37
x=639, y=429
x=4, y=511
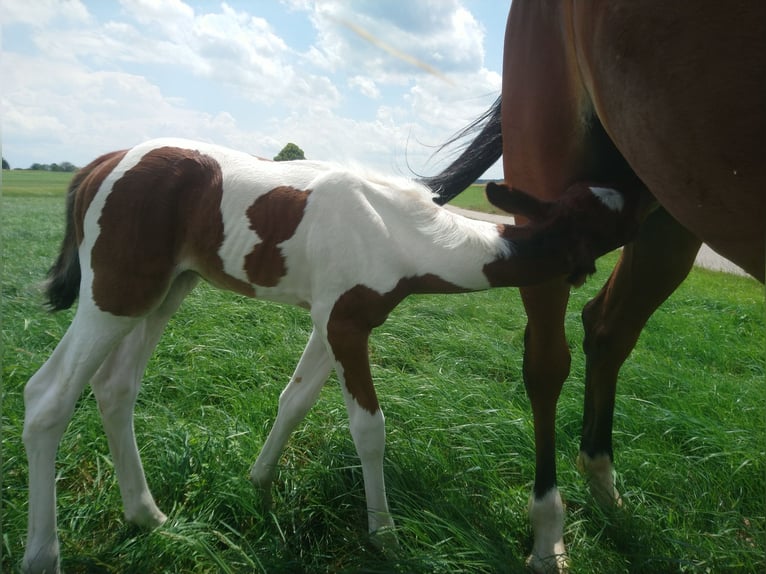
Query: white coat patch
x=609, y=197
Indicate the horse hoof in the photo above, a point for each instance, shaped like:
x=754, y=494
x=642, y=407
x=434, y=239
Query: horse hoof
x=42, y=561
x=267, y=501
x=556, y=564
x=146, y=518
x=599, y=472
x=385, y=541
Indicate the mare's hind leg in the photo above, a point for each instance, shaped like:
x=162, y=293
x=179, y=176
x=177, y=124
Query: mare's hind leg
x=296, y=400
x=116, y=385
x=49, y=399
x=648, y=272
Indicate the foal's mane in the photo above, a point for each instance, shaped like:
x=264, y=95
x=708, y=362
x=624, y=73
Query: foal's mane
x=417, y=202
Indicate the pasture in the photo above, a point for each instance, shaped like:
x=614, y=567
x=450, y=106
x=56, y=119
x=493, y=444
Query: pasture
x=690, y=433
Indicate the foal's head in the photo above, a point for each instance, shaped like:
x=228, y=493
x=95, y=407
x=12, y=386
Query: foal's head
x=586, y=222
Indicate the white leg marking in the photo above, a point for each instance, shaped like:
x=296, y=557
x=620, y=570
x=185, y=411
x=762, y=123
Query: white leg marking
x=116, y=385
x=610, y=197
x=294, y=403
x=547, y=517
x=369, y=433
x=49, y=398
x=599, y=473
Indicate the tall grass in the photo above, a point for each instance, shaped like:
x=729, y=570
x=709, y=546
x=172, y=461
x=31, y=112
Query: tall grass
x=689, y=435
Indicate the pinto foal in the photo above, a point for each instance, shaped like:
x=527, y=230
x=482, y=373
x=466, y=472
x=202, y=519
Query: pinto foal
x=143, y=226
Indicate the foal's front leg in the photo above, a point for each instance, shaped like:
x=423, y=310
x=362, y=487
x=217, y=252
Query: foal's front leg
x=366, y=422
x=296, y=400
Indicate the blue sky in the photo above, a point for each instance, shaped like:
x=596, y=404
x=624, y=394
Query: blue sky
x=80, y=78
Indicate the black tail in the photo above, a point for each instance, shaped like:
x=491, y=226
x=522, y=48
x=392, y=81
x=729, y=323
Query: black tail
x=64, y=277
x=483, y=151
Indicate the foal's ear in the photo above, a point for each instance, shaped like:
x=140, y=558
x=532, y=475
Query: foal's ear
x=515, y=201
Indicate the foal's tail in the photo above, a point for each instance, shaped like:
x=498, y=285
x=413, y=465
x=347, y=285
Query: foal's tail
x=63, y=283
x=64, y=276
x=483, y=151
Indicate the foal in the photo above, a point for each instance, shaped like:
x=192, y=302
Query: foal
x=143, y=226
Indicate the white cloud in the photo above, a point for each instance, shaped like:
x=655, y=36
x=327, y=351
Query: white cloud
x=82, y=114
x=373, y=35
x=365, y=85
x=39, y=13
x=226, y=72
x=167, y=14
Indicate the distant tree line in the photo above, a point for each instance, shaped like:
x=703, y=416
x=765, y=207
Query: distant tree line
x=288, y=153
x=63, y=166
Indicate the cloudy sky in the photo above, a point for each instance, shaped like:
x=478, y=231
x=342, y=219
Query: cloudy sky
x=368, y=81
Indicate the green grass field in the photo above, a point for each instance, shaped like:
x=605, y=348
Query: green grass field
x=690, y=434
x=18, y=183
x=26, y=183
x=473, y=198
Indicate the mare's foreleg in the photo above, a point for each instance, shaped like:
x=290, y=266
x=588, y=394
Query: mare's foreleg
x=49, y=399
x=546, y=366
x=648, y=271
x=116, y=385
x=296, y=400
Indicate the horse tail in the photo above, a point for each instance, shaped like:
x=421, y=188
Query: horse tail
x=64, y=276
x=477, y=157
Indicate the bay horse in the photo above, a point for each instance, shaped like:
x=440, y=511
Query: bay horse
x=145, y=224
x=668, y=97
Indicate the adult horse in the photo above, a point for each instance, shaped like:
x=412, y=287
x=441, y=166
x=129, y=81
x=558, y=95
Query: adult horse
x=668, y=97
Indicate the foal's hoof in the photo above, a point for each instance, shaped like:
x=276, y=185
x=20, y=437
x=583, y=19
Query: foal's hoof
x=262, y=482
x=385, y=541
x=149, y=517
x=46, y=561
x=556, y=564
x=267, y=501
x=264, y=494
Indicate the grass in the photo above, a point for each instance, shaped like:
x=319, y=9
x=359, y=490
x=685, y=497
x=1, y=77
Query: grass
x=28, y=183
x=689, y=435
x=474, y=199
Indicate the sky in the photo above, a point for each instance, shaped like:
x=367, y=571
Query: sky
x=379, y=83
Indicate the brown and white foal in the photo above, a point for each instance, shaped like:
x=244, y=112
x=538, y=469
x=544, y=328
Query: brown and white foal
x=143, y=226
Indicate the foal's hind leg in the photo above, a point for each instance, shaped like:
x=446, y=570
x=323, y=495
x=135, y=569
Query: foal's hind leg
x=648, y=272
x=116, y=386
x=296, y=400
x=49, y=399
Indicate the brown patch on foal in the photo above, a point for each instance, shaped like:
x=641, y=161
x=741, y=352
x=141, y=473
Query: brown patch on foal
x=163, y=210
x=274, y=216
x=88, y=180
x=355, y=314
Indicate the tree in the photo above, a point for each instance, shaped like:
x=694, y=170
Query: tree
x=289, y=153
x=63, y=166
x=6, y=165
